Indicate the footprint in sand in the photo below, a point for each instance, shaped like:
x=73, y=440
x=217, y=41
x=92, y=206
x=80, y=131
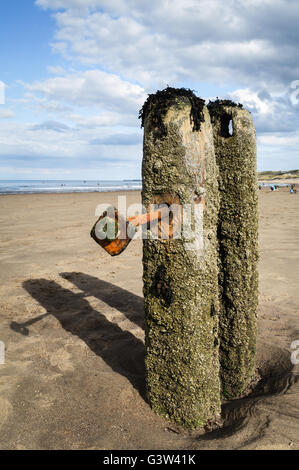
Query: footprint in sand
x=62, y=359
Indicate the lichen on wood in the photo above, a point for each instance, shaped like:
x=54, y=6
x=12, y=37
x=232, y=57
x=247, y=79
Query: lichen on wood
x=180, y=285
x=238, y=243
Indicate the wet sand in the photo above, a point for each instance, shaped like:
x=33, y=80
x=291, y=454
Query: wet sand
x=71, y=318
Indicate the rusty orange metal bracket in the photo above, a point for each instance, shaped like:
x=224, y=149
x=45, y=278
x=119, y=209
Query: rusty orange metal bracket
x=113, y=244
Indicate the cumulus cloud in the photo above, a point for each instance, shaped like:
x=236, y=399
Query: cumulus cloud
x=92, y=88
x=51, y=126
x=55, y=145
x=105, y=119
x=56, y=70
x=6, y=114
x=271, y=113
x=252, y=41
x=119, y=139
x=121, y=50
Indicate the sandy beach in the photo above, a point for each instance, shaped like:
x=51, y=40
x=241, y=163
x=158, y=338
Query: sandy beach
x=71, y=319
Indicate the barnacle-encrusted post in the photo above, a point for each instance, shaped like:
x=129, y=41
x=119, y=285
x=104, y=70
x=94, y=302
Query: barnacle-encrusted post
x=180, y=277
x=235, y=151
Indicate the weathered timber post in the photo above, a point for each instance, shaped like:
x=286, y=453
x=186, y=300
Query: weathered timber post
x=180, y=280
x=238, y=243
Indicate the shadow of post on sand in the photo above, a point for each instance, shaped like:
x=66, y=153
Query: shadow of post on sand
x=121, y=350
x=131, y=305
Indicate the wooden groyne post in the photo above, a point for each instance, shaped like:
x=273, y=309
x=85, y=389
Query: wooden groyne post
x=235, y=149
x=180, y=277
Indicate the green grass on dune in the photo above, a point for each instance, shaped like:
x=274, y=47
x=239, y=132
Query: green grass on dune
x=271, y=175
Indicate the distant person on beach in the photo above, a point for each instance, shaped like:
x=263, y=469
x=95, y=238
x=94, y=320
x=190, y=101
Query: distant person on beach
x=292, y=189
x=272, y=187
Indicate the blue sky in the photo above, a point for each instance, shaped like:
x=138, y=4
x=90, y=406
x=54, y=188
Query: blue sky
x=76, y=73
x=25, y=34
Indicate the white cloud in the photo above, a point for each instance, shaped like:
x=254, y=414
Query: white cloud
x=208, y=40
x=272, y=112
x=6, y=114
x=2, y=92
x=56, y=70
x=281, y=140
x=106, y=119
x=92, y=88
x=251, y=99
x=120, y=50
x=51, y=126
x=55, y=140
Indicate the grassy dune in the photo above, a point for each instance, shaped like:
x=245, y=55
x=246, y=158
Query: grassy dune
x=278, y=175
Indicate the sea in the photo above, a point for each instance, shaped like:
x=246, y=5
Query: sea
x=75, y=186
x=66, y=186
